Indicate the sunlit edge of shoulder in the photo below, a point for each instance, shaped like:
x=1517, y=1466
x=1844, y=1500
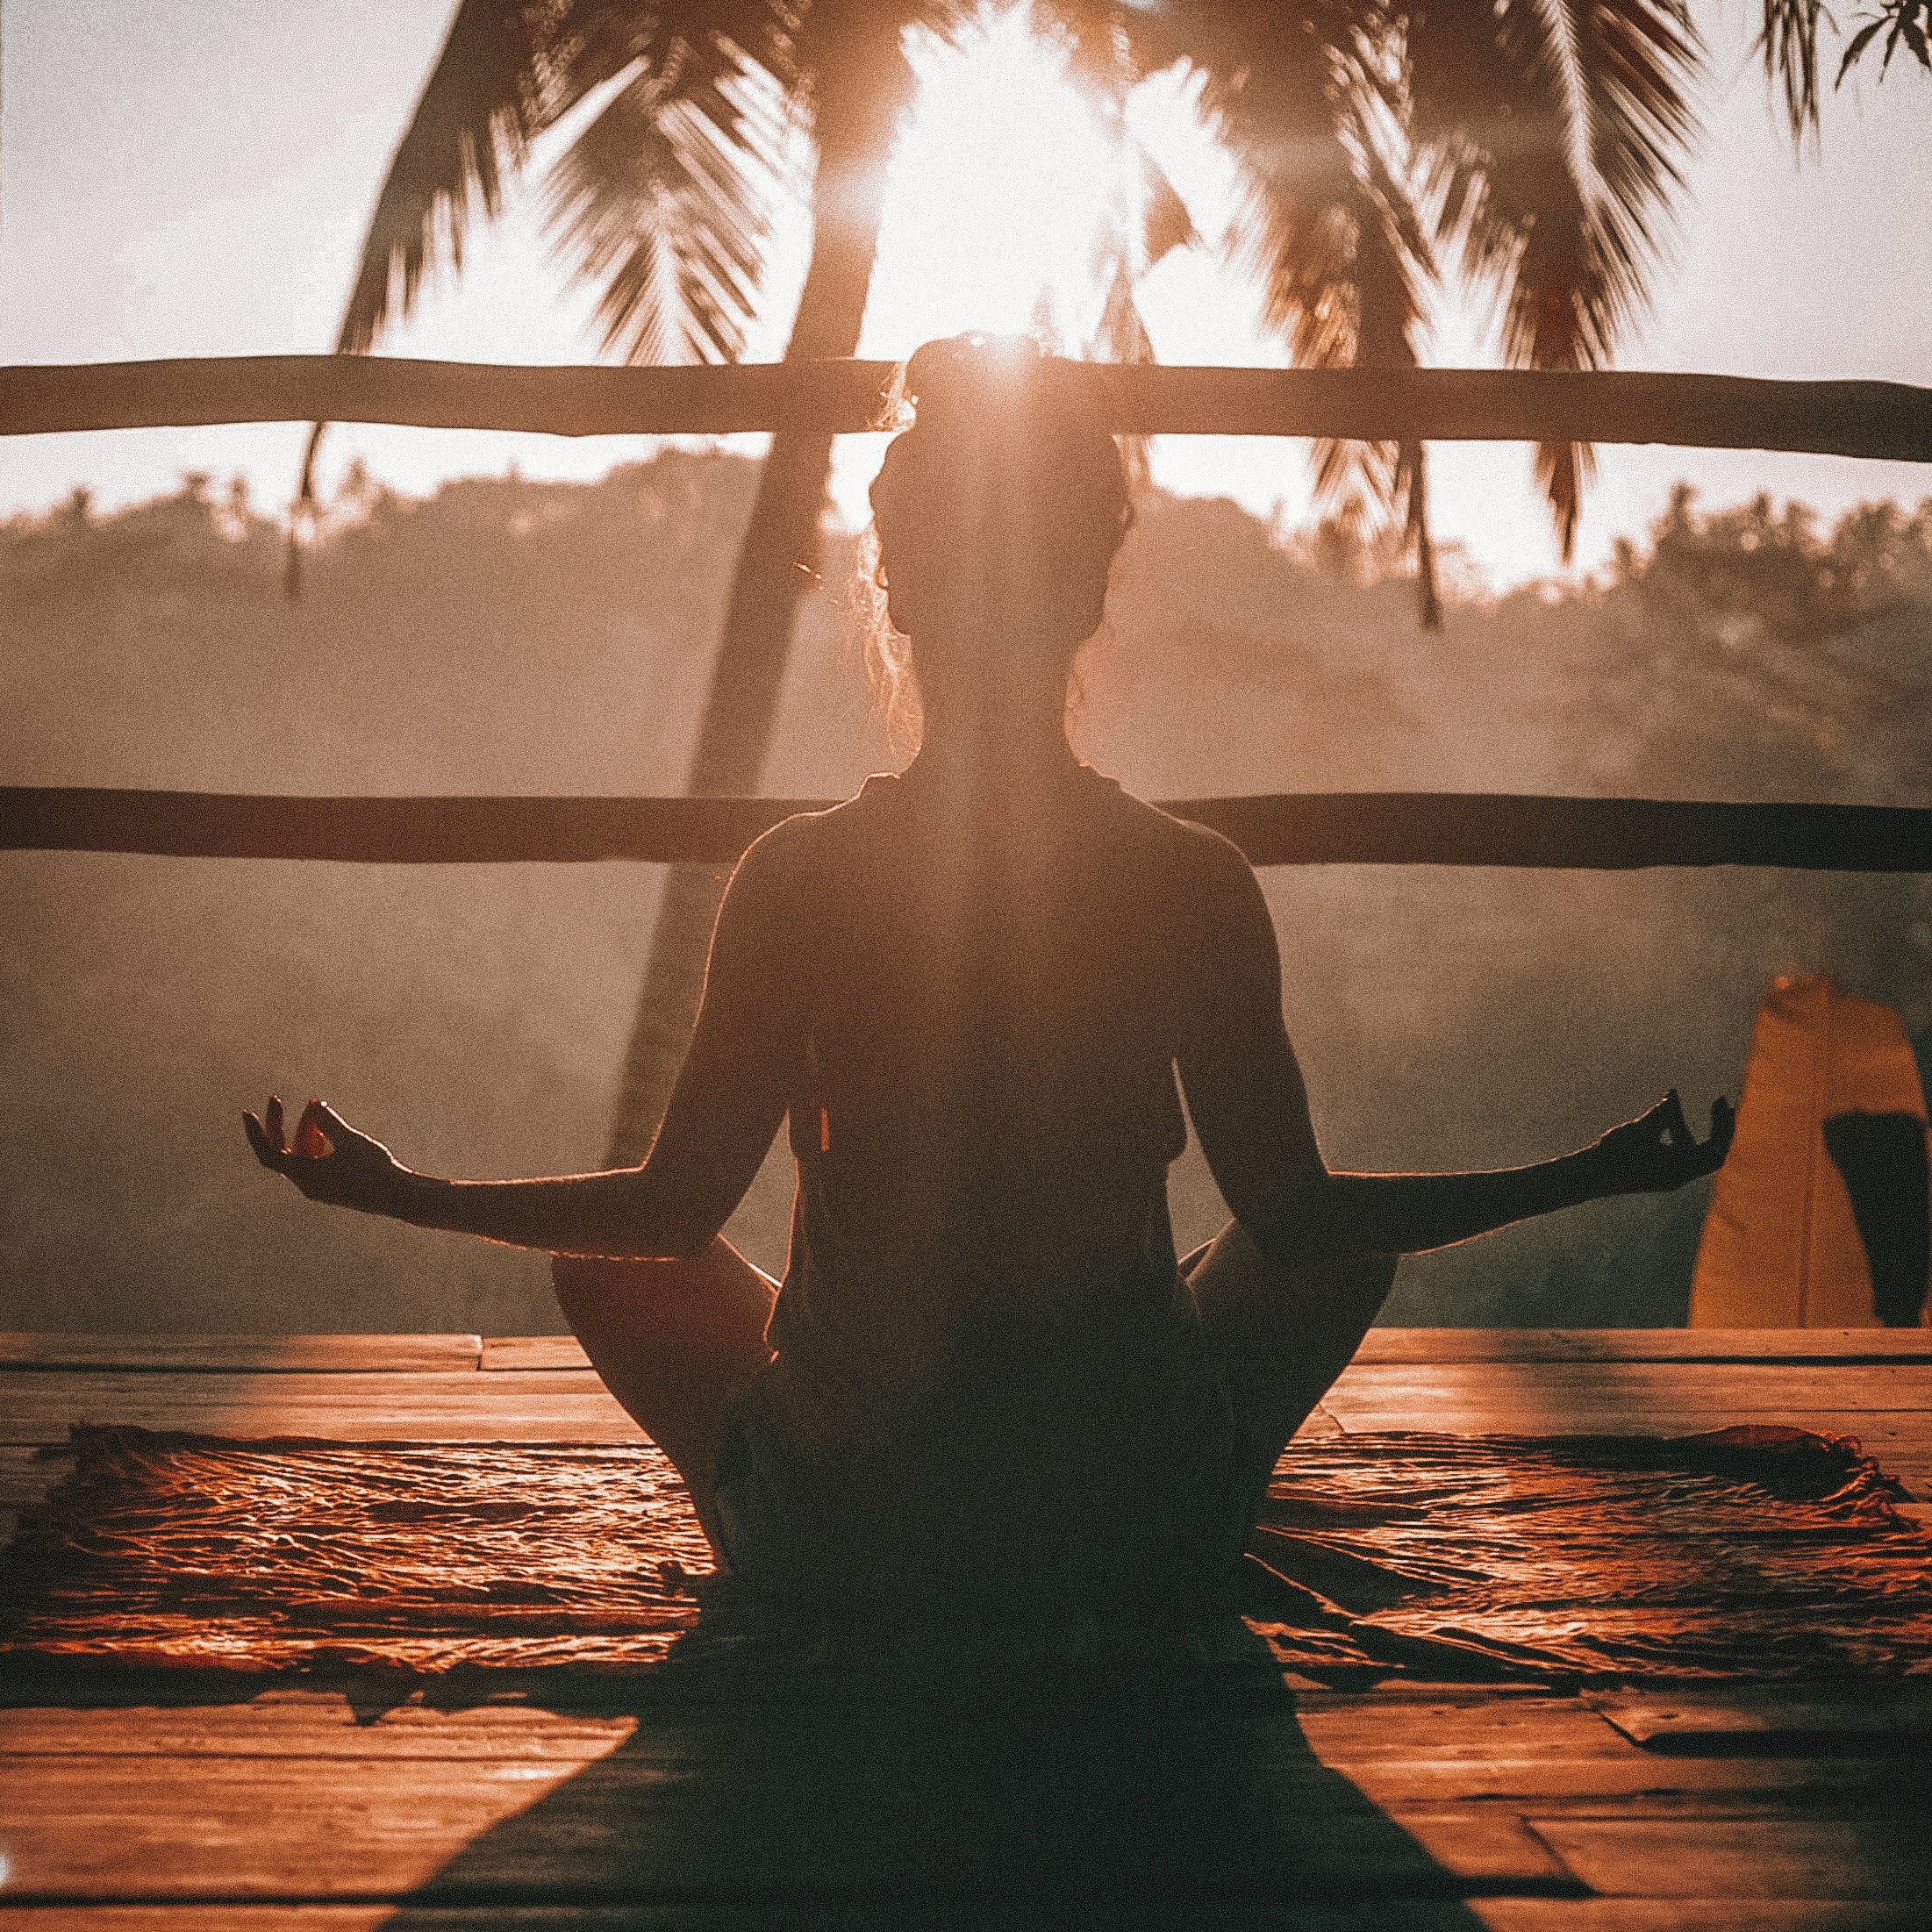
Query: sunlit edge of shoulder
x=778, y=851
x=1213, y=855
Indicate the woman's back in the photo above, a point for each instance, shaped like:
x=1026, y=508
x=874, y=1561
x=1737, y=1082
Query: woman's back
x=981, y=1290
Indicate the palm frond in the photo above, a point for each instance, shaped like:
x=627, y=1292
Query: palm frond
x=1093, y=38
x=487, y=96
x=1166, y=224
x=1902, y=22
x=1554, y=131
x=1787, y=43
x=665, y=200
x=1330, y=230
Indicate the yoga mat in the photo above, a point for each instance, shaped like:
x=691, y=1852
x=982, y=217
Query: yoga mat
x=1749, y=1552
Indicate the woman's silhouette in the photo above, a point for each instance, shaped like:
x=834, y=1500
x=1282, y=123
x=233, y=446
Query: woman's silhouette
x=986, y=1379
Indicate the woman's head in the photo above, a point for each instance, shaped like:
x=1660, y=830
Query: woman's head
x=997, y=513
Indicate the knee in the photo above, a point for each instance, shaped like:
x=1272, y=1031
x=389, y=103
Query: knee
x=576, y=1281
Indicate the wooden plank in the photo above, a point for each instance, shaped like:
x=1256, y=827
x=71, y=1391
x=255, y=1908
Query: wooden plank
x=1390, y=1346
x=911, y=1914
x=238, y=1829
x=36, y=1407
x=311, y=1725
x=729, y=1815
x=1343, y=1731
x=1879, y=1403
x=1658, y=1385
x=1285, y=828
x=1642, y=1785
x=230, y=1354
x=1692, y=1915
x=1747, y=1857
x=1765, y=1718
x=1888, y=420
x=1899, y=1440
x=1346, y=1729
x=1394, y=1347
x=27, y=1474
x=1900, y=1443
x=1894, y=1423
x=533, y=1352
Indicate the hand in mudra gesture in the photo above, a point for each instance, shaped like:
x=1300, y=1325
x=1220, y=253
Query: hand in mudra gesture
x=328, y=1159
x=1658, y=1152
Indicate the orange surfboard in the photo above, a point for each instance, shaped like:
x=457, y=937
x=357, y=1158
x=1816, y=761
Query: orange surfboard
x=1831, y=1093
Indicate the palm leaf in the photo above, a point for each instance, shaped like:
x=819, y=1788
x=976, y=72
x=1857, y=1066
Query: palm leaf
x=1331, y=231
x=1553, y=131
x=665, y=200
x=1787, y=43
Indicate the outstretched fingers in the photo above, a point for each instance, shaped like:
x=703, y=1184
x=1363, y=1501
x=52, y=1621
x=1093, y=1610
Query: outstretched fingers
x=265, y=1136
x=318, y=1133
x=312, y=1139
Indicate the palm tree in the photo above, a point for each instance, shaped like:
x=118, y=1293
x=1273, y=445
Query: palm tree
x=1535, y=143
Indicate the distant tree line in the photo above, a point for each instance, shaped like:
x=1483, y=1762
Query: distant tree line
x=510, y=636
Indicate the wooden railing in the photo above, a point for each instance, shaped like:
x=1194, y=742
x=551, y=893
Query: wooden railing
x=1841, y=418
x=1304, y=828
x=1847, y=419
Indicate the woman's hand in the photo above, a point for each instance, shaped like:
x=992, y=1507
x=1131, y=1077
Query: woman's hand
x=1658, y=1152
x=329, y=1160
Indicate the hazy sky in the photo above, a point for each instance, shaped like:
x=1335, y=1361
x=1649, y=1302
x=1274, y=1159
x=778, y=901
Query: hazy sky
x=178, y=178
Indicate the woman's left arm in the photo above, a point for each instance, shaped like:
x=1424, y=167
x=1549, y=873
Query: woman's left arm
x=729, y=1100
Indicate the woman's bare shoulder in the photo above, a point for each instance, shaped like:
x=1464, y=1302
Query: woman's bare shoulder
x=1192, y=854
x=800, y=845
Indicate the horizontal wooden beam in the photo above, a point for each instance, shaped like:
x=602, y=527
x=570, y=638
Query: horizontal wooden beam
x=1844, y=418
x=1287, y=828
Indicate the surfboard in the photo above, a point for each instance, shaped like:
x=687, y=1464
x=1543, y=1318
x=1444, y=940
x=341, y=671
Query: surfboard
x=1825, y=1190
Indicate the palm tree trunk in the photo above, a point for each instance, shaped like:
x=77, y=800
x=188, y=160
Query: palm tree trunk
x=853, y=125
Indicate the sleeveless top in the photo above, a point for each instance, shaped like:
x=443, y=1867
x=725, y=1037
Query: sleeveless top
x=991, y=1388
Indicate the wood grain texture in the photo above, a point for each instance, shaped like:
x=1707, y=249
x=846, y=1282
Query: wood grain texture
x=1342, y=1731
x=27, y=1474
x=1888, y=420
x=1789, y=1858
x=36, y=1407
x=1286, y=828
x=725, y=1816
x=1225, y=1914
x=309, y=1724
x=1886, y=1405
x=1689, y=1385
x=1398, y=1346
x=1394, y=1347
x=1766, y=1718
x=256, y=1355
x=546, y=1353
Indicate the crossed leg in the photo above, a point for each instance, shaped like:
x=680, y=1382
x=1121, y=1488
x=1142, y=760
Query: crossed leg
x=1281, y=1336
x=674, y=1340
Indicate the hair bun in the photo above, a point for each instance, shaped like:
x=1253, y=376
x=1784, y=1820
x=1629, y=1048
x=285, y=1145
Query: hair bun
x=963, y=379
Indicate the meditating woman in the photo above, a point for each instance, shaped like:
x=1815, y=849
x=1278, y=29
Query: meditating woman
x=985, y=1384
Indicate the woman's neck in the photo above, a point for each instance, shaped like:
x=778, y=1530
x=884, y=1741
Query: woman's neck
x=1021, y=751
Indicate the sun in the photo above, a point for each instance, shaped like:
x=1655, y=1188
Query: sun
x=999, y=184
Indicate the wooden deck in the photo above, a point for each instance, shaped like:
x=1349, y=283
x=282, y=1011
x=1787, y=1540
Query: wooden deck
x=281, y=1809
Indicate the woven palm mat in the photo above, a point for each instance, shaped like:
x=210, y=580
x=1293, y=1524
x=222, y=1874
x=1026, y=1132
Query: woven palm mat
x=1761, y=1552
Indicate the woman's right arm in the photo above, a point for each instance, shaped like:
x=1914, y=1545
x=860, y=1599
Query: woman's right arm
x=724, y=1112
x=1250, y=1106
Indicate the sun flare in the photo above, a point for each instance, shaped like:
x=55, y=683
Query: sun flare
x=1000, y=186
